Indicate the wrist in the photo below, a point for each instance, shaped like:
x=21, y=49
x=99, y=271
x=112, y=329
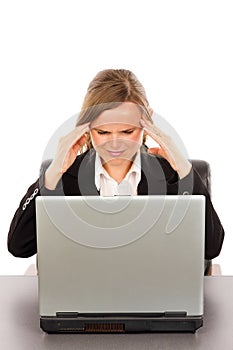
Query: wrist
x=52, y=177
x=184, y=169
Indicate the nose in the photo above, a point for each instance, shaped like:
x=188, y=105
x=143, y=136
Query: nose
x=115, y=142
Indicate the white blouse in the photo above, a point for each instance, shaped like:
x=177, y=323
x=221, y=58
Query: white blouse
x=110, y=187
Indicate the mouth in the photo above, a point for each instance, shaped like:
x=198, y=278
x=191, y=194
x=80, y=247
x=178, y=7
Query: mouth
x=115, y=153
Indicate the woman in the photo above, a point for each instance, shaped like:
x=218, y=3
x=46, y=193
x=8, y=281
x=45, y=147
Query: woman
x=105, y=155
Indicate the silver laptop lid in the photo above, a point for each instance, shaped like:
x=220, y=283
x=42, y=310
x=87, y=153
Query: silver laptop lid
x=121, y=254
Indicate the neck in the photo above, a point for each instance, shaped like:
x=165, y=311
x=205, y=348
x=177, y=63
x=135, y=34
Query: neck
x=118, y=172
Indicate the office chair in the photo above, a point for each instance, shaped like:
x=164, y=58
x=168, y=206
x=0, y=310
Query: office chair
x=203, y=169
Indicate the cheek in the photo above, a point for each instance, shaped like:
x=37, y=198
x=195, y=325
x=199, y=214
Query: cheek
x=138, y=138
x=134, y=142
x=95, y=139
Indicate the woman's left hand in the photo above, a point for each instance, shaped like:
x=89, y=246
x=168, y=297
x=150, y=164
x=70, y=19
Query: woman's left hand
x=168, y=149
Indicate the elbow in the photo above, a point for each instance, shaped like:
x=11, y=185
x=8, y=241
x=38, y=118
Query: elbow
x=214, y=249
x=20, y=251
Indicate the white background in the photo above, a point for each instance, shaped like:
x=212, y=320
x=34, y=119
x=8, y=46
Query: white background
x=181, y=51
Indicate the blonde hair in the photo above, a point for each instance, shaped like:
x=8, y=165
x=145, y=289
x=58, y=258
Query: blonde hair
x=109, y=89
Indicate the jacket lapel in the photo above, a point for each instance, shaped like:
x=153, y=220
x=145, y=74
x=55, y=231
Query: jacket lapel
x=80, y=177
x=152, y=175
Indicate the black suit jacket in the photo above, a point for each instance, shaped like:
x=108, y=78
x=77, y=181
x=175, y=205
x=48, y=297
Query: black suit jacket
x=157, y=177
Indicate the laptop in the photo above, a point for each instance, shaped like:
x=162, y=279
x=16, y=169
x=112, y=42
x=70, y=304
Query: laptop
x=120, y=264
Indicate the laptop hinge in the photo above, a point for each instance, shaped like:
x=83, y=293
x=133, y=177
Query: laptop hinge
x=175, y=313
x=165, y=314
x=67, y=314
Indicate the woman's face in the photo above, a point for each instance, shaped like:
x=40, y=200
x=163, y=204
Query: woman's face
x=116, y=134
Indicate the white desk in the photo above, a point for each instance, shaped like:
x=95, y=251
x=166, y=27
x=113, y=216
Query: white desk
x=20, y=323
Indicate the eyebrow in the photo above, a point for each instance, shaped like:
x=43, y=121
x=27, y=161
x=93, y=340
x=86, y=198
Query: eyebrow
x=97, y=129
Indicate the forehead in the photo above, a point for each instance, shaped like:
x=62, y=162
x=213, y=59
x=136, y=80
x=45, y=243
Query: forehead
x=127, y=113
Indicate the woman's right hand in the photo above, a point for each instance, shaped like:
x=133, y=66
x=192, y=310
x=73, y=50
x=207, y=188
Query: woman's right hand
x=66, y=154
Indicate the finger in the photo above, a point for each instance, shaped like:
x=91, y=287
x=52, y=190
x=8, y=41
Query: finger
x=144, y=122
x=154, y=150
x=147, y=117
x=82, y=125
x=71, y=145
x=157, y=151
x=81, y=141
x=149, y=126
x=79, y=131
x=76, y=147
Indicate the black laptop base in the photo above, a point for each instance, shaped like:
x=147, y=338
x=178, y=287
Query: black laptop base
x=121, y=324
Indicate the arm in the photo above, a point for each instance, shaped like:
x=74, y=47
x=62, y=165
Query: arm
x=214, y=232
x=193, y=184
x=22, y=241
x=22, y=233
x=182, y=178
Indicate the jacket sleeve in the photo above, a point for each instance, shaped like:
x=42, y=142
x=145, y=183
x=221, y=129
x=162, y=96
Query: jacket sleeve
x=193, y=184
x=214, y=232
x=22, y=240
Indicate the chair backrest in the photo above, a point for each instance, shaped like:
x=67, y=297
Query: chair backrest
x=203, y=169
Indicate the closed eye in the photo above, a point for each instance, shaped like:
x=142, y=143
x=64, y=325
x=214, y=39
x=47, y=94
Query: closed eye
x=128, y=131
x=100, y=132
x=103, y=132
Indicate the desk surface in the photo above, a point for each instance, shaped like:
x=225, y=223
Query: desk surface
x=20, y=323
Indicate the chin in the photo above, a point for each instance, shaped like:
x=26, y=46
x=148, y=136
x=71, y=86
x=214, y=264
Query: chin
x=114, y=161
x=117, y=160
